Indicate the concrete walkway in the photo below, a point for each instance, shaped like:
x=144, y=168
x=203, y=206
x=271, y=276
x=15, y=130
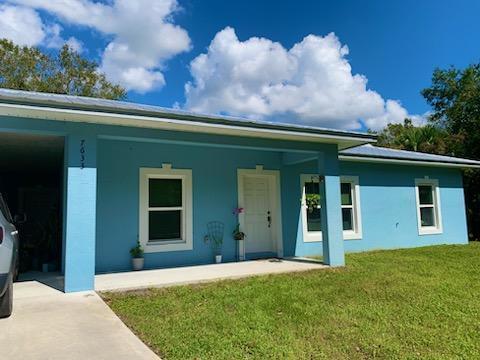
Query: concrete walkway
x=201, y=273
x=49, y=325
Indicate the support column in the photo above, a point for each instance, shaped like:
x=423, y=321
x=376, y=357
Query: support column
x=80, y=211
x=332, y=230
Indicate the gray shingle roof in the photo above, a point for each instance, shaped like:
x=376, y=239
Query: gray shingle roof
x=370, y=151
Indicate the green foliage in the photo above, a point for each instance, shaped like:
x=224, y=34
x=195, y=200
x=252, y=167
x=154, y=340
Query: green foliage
x=215, y=241
x=428, y=138
x=455, y=99
x=137, y=251
x=27, y=68
x=387, y=304
x=312, y=201
x=237, y=233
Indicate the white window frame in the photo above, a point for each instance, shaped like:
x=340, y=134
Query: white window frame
x=316, y=236
x=438, y=228
x=166, y=172
x=356, y=233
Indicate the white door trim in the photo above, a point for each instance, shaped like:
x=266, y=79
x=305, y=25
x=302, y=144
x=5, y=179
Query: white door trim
x=276, y=205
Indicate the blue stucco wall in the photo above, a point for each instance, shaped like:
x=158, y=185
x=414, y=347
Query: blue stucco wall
x=214, y=182
x=387, y=204
x=387, y=192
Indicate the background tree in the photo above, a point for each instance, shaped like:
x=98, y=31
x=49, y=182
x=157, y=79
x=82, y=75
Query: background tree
x=66, y=72
x=429, y=138
x=455, y=99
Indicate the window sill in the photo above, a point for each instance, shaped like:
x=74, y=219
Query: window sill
x=312, y=240
x=180, y=245
x=313, y=237
x=352, y=235
x=431, y=231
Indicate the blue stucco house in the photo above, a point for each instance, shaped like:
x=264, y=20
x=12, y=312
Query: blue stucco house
x=130, y=171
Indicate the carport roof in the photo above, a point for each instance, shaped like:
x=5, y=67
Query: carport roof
x=112, y=112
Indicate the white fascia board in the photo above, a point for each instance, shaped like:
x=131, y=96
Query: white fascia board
x=105, y=118
x=405, y=162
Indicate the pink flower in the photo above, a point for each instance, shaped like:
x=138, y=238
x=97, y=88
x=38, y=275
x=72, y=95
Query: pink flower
x=237, y=211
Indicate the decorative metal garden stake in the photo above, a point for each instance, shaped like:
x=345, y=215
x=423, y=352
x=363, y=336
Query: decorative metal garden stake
x=215, y=231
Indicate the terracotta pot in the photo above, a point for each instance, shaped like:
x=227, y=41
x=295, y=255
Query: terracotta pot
x=137, y=263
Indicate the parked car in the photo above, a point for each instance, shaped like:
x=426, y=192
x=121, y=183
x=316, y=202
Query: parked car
x=8, y=258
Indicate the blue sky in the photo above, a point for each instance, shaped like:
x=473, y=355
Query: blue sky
x=394, y=44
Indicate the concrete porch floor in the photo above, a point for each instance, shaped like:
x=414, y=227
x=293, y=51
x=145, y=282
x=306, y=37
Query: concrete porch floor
x=200, y=273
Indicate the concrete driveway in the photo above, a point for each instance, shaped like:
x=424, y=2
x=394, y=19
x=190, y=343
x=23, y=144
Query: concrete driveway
x=47, y=324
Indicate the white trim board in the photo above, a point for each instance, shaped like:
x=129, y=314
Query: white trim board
x=275, y=198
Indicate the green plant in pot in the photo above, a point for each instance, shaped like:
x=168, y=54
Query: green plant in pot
x=137, y=257
x=312, y=201
x=238, y=234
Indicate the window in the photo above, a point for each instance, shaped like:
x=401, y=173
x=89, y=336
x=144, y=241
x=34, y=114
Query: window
x=428, y=206
x=311, y=208
x=165, y=209
x=347, y=206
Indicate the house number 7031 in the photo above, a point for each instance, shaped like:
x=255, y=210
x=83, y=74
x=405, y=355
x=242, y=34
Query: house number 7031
x=82, y=153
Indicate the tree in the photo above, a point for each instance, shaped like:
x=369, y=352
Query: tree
x=428, y=138
x=455, y=99
x=67, y=72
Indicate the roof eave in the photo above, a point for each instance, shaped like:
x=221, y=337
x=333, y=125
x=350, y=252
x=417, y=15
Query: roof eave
x=373, y=159
x=343, y=140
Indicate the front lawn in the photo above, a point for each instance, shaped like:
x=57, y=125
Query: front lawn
x=416, y=303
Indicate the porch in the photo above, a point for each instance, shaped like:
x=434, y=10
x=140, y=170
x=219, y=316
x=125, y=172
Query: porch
x=38, y=283
x=201, y=273
x=161, y=180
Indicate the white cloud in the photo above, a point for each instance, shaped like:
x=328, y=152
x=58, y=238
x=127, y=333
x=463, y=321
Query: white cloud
x=75, y=44
x=21, y=25
x=311, y=82
x=143, y=35
x=24, y=26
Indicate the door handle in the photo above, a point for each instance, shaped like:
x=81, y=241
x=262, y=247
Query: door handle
x=269, y=219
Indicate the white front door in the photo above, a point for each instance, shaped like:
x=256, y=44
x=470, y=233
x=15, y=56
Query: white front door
x=258, y=214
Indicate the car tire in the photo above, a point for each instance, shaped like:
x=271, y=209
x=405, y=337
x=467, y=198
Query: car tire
x=6, y=301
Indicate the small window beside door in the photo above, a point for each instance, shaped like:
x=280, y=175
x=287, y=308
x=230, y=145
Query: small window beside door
x=311, y=208
x=165, y=209
x=428, y=206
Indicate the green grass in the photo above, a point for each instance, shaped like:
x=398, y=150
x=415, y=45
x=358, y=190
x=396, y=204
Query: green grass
x=415, y=303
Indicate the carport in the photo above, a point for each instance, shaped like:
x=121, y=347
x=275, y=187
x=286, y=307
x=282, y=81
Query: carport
x=31, y=181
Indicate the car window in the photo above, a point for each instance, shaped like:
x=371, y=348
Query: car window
x=4, y=209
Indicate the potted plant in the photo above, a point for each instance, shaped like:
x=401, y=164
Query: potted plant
x=238, y=234
x=137, y=257
x=312, y=201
